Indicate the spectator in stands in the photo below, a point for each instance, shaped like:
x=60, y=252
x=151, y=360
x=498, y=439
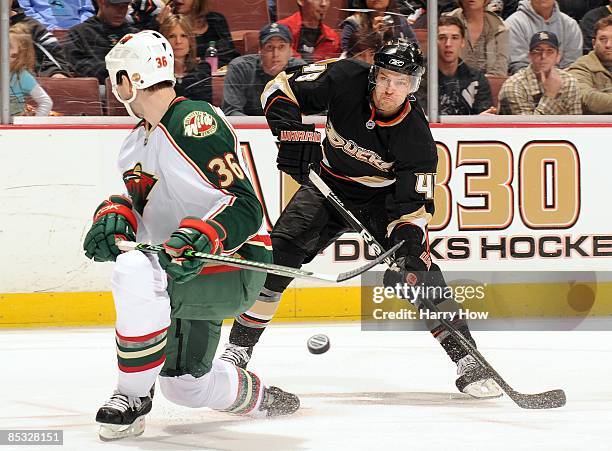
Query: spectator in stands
x=248, y=75
x=576, y=9
x=207, y=26
x=55, y=14
x=594, y=71
x=143, y=13
x=542, y=15
x=541, y=88
x=22, y=83
x=193, y=77
x=88, y=43
x=397, y=27
x=587, y=24
x=486, y=44
x=312, y=39
x=363, y=44
x=461, y=88
x=50, y=60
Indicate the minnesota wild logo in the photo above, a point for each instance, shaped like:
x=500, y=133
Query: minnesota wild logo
x=199, y=124
x=139, y=184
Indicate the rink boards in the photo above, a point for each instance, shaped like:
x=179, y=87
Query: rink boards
x=522, y=197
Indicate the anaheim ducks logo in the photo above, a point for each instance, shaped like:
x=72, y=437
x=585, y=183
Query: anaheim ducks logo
x=199, y=124
x=139, y=184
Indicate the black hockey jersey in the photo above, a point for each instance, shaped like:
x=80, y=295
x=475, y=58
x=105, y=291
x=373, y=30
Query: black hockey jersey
x=363, y=153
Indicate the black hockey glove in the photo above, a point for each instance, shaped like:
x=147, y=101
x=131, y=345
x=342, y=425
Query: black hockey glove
x=413, y=259
x=299, y=149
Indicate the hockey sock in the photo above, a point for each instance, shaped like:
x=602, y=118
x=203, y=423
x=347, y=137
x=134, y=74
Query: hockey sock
x=249, y=326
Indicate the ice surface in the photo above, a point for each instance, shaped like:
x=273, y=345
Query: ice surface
x=371, y=391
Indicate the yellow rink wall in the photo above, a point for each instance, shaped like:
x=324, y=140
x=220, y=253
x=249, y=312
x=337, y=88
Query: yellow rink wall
x=319, y=304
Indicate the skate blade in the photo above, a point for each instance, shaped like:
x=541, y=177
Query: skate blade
x=111, y=432
x=486, y=388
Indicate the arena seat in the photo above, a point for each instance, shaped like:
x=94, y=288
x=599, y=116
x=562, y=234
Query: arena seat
x=113, y=107
x=73, y=96
x=217, y=90
x=242, y=14
x=284, y=8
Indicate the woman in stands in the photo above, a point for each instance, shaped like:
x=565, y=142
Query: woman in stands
x=22, y=83
x=389, y=26
x=207, y=26
x=193, y=77
x=486, y=43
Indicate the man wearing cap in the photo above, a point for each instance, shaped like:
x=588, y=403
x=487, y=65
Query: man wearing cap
x=247, y=75
x=88, y=43
x=541, y=88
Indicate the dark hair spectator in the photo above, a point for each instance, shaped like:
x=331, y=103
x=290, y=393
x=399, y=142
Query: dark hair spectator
x=88, y=43
x=486, y=43
x=587, y=24
x=312, y=39
x=594, y=71
x=247, y=75
x=462, y=90
x=389, y=26
x=542, y=15
x=50, y=60
x=193, y=77
x=207, y=26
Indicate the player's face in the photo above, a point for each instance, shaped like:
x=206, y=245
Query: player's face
x=391, y=90
x=179, y=40
x=450, y=43
x=543, y=58
x=275, y=55
x=602, y=44
x=314, y=9
x=113, y=14
x=379, y=5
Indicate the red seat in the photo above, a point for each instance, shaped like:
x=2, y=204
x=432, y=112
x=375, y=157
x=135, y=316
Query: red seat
x=113, y=106
x=285, y=8
x=217, y=90
x=60, y=34
x=73, y=96
x=242, y=14
x=251, y=42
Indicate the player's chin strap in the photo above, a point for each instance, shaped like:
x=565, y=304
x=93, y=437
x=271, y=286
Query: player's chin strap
x=546, y=400
x=126, y=103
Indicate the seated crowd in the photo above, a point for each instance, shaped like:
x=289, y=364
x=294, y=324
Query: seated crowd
x=513, y=57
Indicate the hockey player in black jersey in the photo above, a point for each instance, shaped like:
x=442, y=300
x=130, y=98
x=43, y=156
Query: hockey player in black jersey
x=379, y=158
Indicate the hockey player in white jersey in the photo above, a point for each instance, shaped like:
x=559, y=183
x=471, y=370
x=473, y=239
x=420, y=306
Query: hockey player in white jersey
x=186, y=189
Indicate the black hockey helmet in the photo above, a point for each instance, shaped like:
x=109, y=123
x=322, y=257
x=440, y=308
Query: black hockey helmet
x=399, y=56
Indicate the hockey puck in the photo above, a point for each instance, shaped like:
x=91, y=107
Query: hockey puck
x=318, y=344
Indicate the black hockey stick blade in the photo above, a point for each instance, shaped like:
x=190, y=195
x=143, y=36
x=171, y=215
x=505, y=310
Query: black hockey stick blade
x=546, y=400
x=270, y=268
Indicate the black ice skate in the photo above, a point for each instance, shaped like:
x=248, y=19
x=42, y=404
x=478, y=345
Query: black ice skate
x=474, y=380
x=123, y=416
x=237, y=355
x=277, y=402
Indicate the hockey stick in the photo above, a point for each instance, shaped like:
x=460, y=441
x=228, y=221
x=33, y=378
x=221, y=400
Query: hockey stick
x=270, y=268
x=545, y=400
